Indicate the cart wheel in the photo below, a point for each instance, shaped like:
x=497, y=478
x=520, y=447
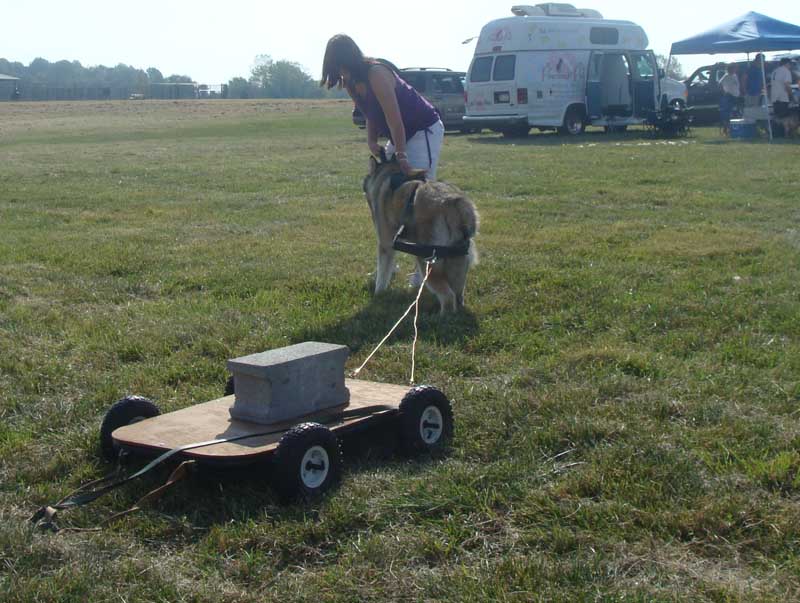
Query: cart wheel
x=426, y=420
x=229, y=388
x=307, y=462
x=127, y=411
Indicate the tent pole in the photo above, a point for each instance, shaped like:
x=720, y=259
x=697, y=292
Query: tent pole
x=764, y=91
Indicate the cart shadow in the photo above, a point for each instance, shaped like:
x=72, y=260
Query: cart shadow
x=215, y=496
x=367, y=326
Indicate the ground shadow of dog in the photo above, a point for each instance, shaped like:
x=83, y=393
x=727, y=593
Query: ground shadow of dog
x=366, y=327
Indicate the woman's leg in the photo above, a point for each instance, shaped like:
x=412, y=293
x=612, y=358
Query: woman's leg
x=417, y=148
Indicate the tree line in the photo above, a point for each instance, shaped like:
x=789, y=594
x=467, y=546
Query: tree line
x=267, y=79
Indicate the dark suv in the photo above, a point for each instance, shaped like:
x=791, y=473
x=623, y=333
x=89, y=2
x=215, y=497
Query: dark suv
x=443, y=88
x=704, y=91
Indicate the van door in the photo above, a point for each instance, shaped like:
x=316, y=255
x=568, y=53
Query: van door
x=492, y=85
x=644, y=79
x=594, y=87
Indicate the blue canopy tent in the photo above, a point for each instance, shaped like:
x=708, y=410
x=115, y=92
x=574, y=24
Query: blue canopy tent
x=752, y=32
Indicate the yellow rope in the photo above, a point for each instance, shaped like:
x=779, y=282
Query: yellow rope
x=414, y=304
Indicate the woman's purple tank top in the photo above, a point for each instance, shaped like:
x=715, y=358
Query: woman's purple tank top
x=416, y=112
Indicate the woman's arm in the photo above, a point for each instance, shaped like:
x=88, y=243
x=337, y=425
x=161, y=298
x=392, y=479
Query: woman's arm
x=372, y=139
x=382, y=82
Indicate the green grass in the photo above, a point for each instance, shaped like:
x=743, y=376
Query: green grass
x=625, y=379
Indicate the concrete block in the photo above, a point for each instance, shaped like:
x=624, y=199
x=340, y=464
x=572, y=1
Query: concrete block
x=287, y=383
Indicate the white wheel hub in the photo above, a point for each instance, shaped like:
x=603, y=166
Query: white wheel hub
x=431, y=424
x=314, y=467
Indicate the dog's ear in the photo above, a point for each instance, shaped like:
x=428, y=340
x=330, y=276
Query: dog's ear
x=373, y=165
x=383, y=155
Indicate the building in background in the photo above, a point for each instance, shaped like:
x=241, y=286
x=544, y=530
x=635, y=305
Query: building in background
x=9, y=87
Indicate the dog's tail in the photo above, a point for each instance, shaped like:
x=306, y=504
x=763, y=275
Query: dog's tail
x=472, y=255
x=469, y=222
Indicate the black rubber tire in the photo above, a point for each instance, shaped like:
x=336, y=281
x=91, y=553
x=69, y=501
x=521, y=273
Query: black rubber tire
x=130, y=409
x=574, y=122
x=412, y=420
x=287, y=462
x=229, y=387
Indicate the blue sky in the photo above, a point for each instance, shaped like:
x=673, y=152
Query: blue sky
x=215, y=41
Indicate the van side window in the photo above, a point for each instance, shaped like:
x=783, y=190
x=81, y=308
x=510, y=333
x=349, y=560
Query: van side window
x=604, y=35
x=481, y=70
x=643, y=66
x=504, y=68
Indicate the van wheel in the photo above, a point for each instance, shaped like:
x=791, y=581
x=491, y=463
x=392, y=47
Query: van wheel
x=574, y=122
x=516, y=131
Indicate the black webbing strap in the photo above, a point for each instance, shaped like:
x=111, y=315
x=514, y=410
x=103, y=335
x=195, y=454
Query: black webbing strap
x=430, y=251
x=83, y=495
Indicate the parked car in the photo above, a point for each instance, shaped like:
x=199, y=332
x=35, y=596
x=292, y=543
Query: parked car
x=444, y=89
x=704, y=91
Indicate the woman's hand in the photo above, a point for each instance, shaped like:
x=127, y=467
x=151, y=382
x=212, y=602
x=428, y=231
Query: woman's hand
x=374, y=147
x=404, y=165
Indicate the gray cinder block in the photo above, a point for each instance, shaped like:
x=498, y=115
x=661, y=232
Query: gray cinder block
x=286, y=383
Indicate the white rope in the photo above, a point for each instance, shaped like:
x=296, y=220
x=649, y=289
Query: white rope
x=414, y=304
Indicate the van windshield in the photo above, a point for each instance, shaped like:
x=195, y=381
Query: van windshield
x=481, y=70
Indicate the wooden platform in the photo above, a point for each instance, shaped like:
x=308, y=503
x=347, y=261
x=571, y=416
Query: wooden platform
x=369, y=401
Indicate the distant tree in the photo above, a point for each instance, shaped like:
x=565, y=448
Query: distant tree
x=154, y=75
x=675, y=70
x=288, y=80
x=38, y=70
x=282, y=79
x=239, y=87
x=261, y=72
x=179, y=79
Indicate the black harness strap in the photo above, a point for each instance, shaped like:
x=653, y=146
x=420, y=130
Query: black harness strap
x=400, y=243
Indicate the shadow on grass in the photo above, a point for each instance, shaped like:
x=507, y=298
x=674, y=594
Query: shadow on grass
x=369, y=325
x=217, y=495
x=556, y=139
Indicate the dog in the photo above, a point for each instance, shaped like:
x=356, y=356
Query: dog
x=432, y=214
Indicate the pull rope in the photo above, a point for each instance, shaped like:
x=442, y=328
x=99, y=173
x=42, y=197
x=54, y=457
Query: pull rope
x=414, y=305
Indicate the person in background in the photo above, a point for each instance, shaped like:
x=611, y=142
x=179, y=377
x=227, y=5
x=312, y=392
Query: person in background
x=392, y=108
x=781, y=88
x=754, y=83
x=730, y=97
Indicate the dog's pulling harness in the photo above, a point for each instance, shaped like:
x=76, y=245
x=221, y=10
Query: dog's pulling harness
x=429, y=252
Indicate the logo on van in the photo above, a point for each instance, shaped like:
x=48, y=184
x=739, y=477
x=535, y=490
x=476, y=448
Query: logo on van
x=500, y=35
x=563, y=66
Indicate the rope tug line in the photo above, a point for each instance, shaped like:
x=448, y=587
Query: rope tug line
x=414, y=305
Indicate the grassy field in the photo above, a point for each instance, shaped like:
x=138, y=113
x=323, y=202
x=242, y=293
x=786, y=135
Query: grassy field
x=625, y=381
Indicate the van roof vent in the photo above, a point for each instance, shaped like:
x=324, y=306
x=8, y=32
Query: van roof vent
x=554, y=9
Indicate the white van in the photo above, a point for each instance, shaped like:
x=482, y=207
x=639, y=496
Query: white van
x=556, y=66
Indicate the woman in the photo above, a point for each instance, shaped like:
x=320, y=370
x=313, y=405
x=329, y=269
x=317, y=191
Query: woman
x=392, y=108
